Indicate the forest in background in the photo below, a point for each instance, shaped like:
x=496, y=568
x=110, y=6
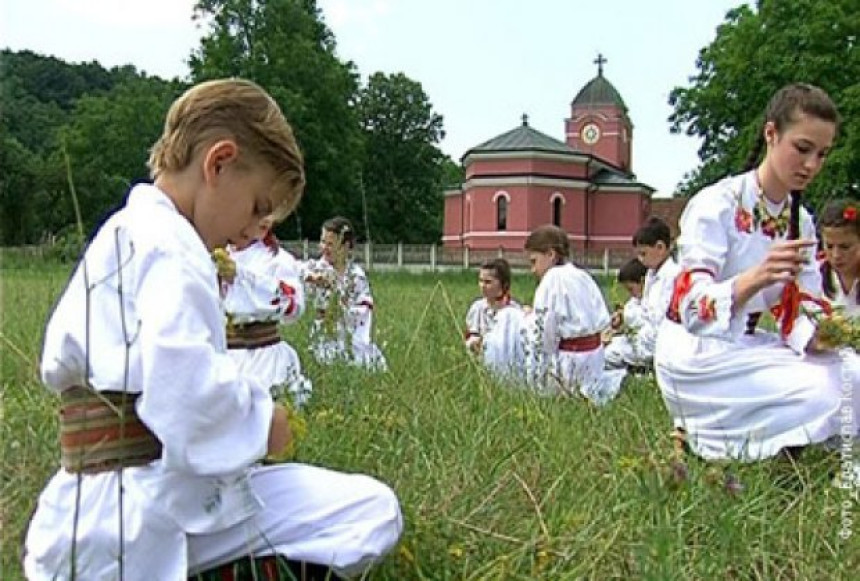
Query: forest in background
x=372, y=149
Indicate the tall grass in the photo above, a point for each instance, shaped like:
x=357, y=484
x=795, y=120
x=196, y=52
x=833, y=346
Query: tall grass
x=495, y=483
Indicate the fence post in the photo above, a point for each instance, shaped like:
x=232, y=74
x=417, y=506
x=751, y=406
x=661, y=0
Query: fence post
x=501, y=252
x=466, y=257
x=400, y=255
x=305, y=249
x=433, y=258
x=367, y=254
x=606, y=261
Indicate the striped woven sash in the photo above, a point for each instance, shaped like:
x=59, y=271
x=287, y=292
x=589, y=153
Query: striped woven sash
x=100, y=431
x=253, y=335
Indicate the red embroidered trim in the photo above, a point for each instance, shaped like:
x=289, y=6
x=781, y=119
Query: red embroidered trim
x=289, y=293
x=683, y=285
x=707, y=308
x=743, y=220
x=271, y=242
x=789, y=307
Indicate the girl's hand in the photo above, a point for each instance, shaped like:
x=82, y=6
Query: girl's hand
x=279, y=431
x=783, y=262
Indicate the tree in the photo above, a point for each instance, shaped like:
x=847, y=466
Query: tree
x=108, y=140
x=403, y=171
x=286, y=47
x=755, y=53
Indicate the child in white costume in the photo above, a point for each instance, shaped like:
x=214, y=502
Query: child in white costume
x=264, y=292
x=564, y=351
x=162, y=483
x=494, y=321
x=340, y=293
x=622, y=343
x=741, y=394
x=839, y=226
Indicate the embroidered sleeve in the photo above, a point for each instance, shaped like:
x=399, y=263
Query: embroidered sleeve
x=360, y=304
x=544, y=331
x=290, y=293
x=267, y=289
x=700, y=301
x=473, y=323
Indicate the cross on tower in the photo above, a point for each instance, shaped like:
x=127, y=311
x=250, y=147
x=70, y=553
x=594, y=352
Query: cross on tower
x=599, y=62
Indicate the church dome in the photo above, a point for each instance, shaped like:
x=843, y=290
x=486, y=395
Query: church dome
x=599, y=91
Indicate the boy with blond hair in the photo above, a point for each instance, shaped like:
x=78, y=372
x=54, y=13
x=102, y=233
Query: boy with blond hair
x=160, y=433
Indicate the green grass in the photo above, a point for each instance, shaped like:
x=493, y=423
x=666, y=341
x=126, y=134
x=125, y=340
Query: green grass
x=495, y=483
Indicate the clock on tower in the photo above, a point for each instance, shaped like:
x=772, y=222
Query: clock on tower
x=590, y=133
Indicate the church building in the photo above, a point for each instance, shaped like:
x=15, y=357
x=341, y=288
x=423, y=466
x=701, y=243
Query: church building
x=523, y=179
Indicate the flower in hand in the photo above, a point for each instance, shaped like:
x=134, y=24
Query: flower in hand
x=297, y=429
x=224, y=264
x=836, y=330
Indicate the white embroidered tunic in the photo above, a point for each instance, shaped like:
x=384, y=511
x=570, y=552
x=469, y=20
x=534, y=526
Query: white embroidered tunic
x=268, y=288
x=347, y=333
x=568, y=304
x=744, y=395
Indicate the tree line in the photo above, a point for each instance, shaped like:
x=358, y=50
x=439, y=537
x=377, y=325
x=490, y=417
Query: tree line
x=372, y=149
x=757, y=50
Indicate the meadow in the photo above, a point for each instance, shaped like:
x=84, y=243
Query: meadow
x=495, y=482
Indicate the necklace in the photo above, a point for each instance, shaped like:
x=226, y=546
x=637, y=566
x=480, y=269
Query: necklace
x=761, y=217
x=770, y=225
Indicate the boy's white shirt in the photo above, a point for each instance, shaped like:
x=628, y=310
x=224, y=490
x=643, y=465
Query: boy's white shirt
x=656, y=296
x=153, y=287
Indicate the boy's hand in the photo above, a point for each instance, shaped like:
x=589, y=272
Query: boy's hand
x=279, y=431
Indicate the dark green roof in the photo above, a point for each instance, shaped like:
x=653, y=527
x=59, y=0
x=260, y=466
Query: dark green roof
x=523, y=138
x=599, y=91
x=612, y=177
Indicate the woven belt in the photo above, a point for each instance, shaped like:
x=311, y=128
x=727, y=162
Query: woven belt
x=100, y=432
x=579, y=344
x=253, y=335
x=269, y=568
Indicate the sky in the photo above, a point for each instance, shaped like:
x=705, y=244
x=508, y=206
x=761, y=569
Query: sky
x=482, y=63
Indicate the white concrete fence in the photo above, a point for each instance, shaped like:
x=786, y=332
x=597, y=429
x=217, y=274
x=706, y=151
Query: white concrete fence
x=411, y=257
x=430, y=257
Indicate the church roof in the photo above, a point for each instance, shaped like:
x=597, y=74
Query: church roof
x=599, y=91
x=523, y=138
x=613, y=177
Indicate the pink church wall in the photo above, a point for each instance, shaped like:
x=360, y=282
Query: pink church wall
x=514, y=167
x=614, y=218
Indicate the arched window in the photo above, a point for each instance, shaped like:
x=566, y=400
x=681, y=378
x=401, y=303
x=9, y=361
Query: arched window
x=557, y=201
x=502, y=213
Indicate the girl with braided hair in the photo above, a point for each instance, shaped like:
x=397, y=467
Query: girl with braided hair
x=745, y=247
